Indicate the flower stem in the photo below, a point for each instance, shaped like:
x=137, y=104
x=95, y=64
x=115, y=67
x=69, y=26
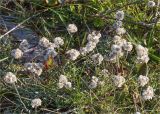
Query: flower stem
x=20, y=98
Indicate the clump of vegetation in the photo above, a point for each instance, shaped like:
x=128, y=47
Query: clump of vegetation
x=85, y=57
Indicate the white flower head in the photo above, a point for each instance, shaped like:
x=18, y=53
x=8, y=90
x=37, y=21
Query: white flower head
x=10, y=78
x=151, y=3
x=141, y=50
x=72, y=28
x=34, y=68
x=36, y=103
x=118, y=80
x=143, y=80
x=148, y=93
x=94, y=37
x=73, y=54
x=143, y=59
x=116, y=49
x=24, y=45
x=63, y=82
x=116, y=39
x=44, y=42
x=17, y=53
x=120, y=31
x=90, y=46
x=119, y=15
x=97, y=58
x=58, y=41
x=121, y=42
x=142, y=54
x=91, y=38
x=127, y=46
x=63, y=79
x=94, y=82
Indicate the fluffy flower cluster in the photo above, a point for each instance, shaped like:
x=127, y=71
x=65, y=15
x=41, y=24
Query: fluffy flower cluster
x=118, y=80
x=88, y=48
x=127, y=46
x=10, y=78
x=63, y=82
x=72, y=28
x=34, y=68
x=119, y=45
x=143, y=80
x=44, y=42
x=118, y=23
x=117, y=49
x=43, y=50
x=58, y=41
x=119, y=15
x=142, y=54
x=36, y=103
x=120, y=31
x=148, y=93
x=20, y=52
x=151, y=3
x=94, y=82
x=73, y=54
x=50, y=47
x=93, y=39
x=17, y=53
x=97, y=58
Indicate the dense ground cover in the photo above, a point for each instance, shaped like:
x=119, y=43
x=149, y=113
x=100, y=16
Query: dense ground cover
x=114, y=42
